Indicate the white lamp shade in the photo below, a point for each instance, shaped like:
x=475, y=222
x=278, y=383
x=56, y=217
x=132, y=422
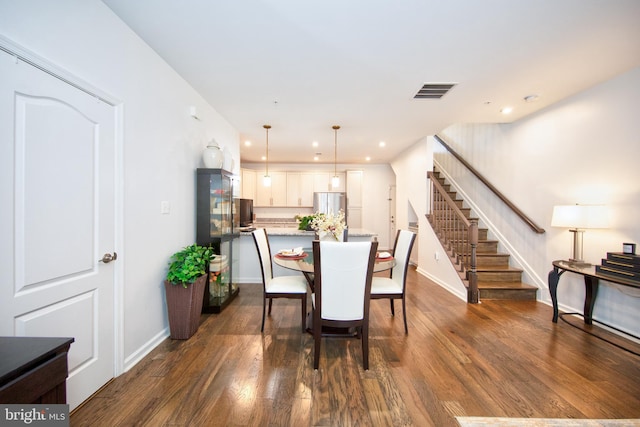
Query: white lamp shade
x=335, y=182
x=266, y=181
x=580, y=216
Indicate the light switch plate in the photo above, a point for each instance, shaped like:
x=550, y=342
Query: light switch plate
x=165, y=207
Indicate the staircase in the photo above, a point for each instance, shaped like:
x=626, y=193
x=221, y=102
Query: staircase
x=496, y=278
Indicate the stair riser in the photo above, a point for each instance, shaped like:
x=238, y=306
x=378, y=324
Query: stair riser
x=493, y=261
x=465, y=211
x=487, y=247
x=482, y=233
x=508, y=294
x=482, y=248
x=499, y=276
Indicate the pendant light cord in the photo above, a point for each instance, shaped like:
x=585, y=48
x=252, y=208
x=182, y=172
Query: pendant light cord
x=335, y=151
x=267, y=127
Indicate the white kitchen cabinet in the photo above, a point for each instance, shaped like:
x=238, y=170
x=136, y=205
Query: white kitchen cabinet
x=354, y=198
x=354, y=189
x=300, y=187
x=322, y=182
x=354, y=217
x=276, y=194
x=248, y=177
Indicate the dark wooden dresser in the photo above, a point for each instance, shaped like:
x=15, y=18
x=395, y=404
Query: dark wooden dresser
x=33, y=370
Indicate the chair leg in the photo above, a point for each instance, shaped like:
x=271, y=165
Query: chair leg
x=365, y=347
x=264, y=310
x=404, y=314
x=317, y=338
x=304, y=312
x=270, y=302
x=393, y=312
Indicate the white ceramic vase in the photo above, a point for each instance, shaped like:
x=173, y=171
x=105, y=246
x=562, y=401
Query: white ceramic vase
x=212, y=156
x=329, y=237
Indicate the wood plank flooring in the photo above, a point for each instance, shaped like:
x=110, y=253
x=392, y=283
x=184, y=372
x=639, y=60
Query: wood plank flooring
x=494, y=359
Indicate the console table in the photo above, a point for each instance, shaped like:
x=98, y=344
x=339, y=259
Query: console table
x=33, y=370
x=591, y=281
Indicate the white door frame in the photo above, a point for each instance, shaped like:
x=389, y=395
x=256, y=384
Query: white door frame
x=22, y=54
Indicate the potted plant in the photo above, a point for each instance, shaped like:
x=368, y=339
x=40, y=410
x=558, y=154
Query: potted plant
x=304, y=222
x=184, y=287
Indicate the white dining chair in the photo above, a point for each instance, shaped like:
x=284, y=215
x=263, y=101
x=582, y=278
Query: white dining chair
x=394, y=286
x=292, y=287
x=342, y=288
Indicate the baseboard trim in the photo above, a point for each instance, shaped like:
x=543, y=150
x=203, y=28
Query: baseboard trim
x=145, y=349
x=455, y=291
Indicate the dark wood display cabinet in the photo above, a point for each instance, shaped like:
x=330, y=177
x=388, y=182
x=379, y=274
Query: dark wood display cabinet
x=218, y=225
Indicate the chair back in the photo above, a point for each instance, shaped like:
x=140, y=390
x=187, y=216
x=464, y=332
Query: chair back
x=343, y=273
x=264, y=253
x=401, y=253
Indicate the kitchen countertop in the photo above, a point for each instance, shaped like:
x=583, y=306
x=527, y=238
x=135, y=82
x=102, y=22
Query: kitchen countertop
x=282, y=231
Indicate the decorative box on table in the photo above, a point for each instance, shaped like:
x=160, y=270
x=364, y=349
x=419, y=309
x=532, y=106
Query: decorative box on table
x=620, y=265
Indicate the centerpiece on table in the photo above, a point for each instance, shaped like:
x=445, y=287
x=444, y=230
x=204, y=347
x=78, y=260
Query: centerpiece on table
x=329, y=226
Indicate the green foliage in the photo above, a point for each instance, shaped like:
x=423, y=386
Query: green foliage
x=189, y=264
x=305, y=221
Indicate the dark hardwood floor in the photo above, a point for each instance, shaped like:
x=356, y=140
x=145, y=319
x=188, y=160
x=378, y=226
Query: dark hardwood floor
x=497, y=358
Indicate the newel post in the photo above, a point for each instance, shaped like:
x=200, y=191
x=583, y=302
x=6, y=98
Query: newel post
x=473, y=293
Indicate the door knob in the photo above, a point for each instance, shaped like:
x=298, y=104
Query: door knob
x=107, y=258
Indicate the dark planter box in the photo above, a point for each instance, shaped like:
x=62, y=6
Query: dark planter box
x=184, y=306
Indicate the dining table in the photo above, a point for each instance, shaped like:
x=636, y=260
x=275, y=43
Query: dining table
x=303, y=262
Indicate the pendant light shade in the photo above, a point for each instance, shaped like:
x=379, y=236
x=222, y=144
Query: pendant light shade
x=335, y=181
x=266, y=179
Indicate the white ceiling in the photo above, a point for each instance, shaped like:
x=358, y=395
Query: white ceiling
x=303, y=66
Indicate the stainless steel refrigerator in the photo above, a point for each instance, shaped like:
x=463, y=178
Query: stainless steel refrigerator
x=330, y=203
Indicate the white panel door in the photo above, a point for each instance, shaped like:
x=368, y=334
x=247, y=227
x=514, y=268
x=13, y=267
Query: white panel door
x=57, y=154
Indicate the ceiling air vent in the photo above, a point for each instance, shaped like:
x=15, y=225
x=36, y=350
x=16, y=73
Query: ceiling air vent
x=433, y=90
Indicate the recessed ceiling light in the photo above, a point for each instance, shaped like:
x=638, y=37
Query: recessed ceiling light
x=382, y=144
x=314, y=143
x=316, y=158
x=264, y=158
x=368, y=159
x=506, y=110
x=247, y=143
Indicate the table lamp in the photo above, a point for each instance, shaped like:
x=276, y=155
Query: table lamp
x=578, y=218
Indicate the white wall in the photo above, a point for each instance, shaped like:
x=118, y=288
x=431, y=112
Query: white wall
x=582, y=150
x=160, y=149
x=413, y=189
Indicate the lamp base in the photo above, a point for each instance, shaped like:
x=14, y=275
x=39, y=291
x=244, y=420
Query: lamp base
x=578, y=236
x=578, y=263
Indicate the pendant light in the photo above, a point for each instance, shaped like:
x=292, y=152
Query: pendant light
x=335, y=181
x=266, y=179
